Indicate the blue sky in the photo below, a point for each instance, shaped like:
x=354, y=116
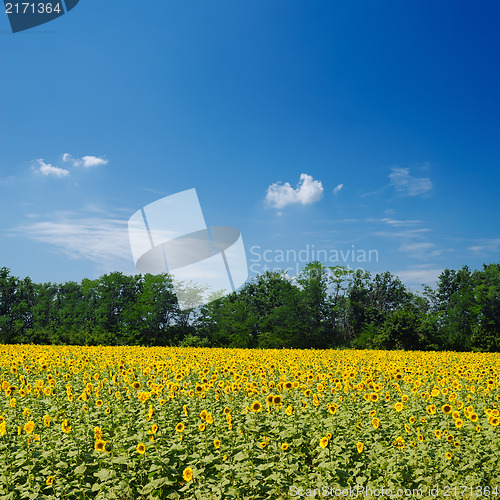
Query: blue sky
x=338, y=126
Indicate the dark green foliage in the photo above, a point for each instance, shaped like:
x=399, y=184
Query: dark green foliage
x=321, y=308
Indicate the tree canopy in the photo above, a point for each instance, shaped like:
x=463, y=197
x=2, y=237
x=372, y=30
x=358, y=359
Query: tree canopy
x=322, y=307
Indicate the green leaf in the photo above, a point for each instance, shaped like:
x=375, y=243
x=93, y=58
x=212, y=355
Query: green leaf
x=104, y=474
x=80, y=469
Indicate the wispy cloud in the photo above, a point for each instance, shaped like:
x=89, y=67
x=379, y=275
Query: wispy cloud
x=411, y=240
x=85, y=161
x=419, y=275
x=103, y=241
x=48, y=169
x=338, y=188
x=485, y=246
x=394, y=222
x=407, y=185
x=421, y=250
x=403, y=234
x=308, y=191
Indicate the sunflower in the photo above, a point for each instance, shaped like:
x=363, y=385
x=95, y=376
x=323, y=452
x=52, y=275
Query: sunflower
x=277, y=400
x=398, y=406
x=100, y=445
x=289, y=410
x=136, y=385
x=179, y=427
x=446, y=409
x=359, y=447
x=29, y=427
x=376, y=423
x=201, y=427
x=256, y=406
x=437, y=433
x=66, y=428
x=374, y=396
x=141, y=448
x=50, y=481
x=143, y=396
x=99, y=403
x=323, y=442
x=217, y=444
x=285, y=446
x=448, y=455
x=459, y=423
x=400, y=442
x=187, y=474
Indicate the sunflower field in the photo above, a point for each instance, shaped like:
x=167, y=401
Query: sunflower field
x=136, y=422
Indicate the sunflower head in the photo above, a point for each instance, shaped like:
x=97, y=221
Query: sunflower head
x=100, y=445
x=187, y=474
x=256, y=406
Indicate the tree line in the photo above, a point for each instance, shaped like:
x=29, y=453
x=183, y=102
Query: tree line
x=323, y=307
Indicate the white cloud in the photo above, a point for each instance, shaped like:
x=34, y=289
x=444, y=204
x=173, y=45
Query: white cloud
x=307, y=191
x=48, y=169
x=416, y=247
x=86, y=161
x=413, y=242
x=485, y=246
x=408, y=185
x=338, y=188
x=419, y=276
x=394, y=222
x=93, y=161
x=403, y=234
x=99, y=240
